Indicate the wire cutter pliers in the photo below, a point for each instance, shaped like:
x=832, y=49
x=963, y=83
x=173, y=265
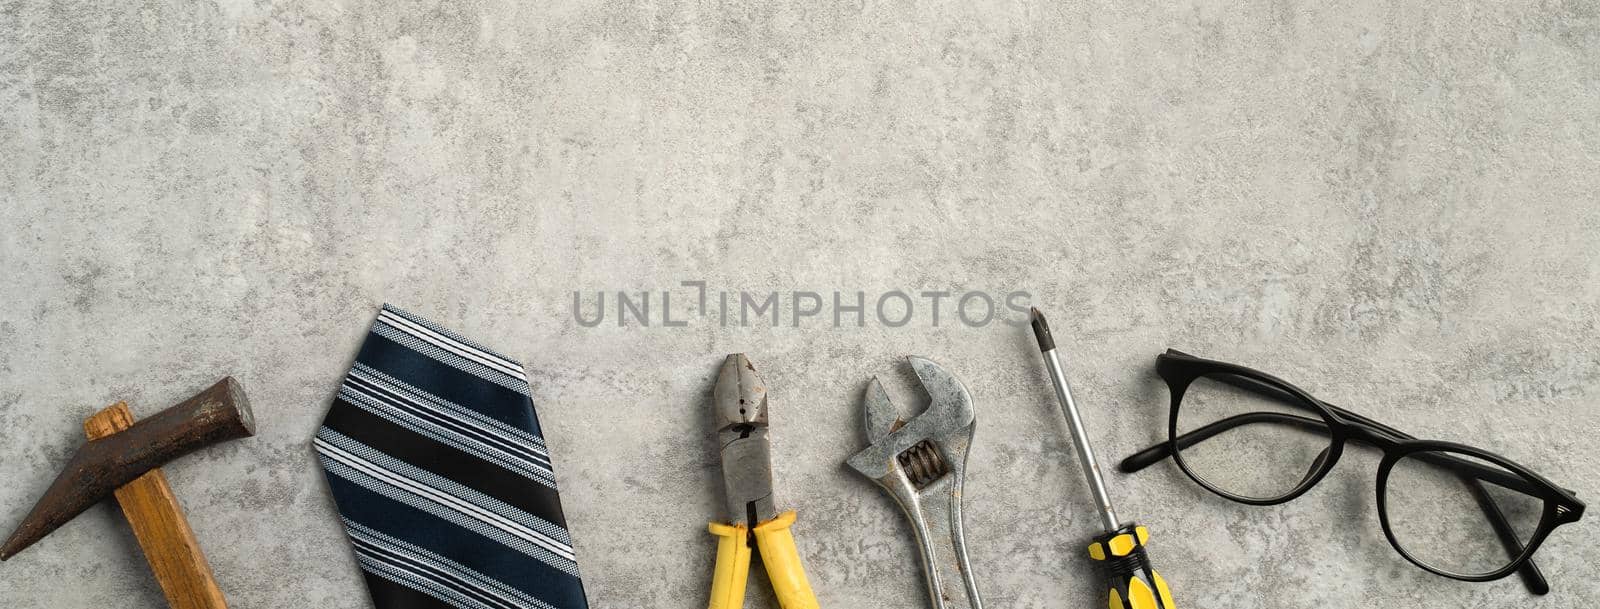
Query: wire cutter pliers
x=740, y=408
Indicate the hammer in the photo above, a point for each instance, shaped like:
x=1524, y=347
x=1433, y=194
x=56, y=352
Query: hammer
x=124, y=458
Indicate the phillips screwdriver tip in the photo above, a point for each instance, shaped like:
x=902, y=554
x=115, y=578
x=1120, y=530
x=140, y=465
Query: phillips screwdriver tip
x=1041, y=331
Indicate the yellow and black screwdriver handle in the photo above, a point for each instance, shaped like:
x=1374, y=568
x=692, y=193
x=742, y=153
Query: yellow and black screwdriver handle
x=1133, y=584
x=778, y=552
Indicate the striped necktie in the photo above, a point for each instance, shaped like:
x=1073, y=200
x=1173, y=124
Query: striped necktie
x=434, y=458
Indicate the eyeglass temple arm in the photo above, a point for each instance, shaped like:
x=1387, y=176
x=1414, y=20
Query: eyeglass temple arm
x=1370, y=430
x=1154, y=454
x=1532, y=577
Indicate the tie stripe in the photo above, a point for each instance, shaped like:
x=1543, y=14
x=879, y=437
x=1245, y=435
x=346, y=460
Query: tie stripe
x=494, y=557
x=446, y=341
x=398, y=593
x=445, y=486
x=411, y=558
x=531, y=470
x=392, y=314
x=428, y=586
x=397, y=443
x=448, y=383
x=451, y=358
x=386, y=486
x=421, y=417
x=366, y=372
x=444, y=493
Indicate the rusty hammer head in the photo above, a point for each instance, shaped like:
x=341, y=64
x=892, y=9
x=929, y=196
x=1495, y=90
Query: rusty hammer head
x=215, y=415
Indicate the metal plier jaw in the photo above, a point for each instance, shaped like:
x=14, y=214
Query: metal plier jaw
x=922, y=463
x=740, y=407
x=740, y=402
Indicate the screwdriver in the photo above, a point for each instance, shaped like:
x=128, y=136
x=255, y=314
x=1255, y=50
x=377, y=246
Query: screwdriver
x=1120, y=549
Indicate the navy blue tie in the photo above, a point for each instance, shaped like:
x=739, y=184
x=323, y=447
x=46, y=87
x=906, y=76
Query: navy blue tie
x=434, y=457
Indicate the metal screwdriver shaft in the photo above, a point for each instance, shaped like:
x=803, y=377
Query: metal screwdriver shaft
x=1121, y=548
x=1080, y=438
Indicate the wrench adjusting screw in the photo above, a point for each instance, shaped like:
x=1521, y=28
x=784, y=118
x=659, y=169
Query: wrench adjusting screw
x=923, y=463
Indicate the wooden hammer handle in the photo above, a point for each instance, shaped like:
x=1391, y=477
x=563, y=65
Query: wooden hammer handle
x=158, y=522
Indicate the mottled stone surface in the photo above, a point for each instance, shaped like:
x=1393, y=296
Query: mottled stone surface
x=1391, y=204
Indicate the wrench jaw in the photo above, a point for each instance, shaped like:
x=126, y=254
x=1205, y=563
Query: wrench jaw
x=949, y=399
x=882, y=414
x=949, y=420
x=921, y=463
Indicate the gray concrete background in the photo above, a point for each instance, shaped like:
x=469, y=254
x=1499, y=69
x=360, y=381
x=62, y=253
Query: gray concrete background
x=1391, y=204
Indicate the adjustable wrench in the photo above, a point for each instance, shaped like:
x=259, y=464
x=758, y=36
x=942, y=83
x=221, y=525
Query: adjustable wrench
x=922, y=463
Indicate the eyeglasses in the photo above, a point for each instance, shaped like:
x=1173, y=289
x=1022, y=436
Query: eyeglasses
x=1455, y=510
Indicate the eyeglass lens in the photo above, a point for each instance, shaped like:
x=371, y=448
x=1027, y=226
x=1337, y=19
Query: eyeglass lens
x=1435, y=514
x=1267, y=447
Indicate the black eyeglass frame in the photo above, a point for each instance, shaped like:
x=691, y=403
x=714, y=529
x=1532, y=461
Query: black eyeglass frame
x=1179, y=370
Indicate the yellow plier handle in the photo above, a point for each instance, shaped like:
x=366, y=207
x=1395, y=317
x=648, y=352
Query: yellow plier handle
x=733, y=566
x=783, y=563
x=778, y=552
